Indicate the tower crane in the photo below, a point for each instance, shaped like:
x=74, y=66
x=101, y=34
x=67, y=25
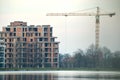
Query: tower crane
x=97, y=22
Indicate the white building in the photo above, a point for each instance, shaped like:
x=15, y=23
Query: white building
x=2, y=53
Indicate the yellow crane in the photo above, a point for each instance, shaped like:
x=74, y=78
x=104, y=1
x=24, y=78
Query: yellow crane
x=97, y=17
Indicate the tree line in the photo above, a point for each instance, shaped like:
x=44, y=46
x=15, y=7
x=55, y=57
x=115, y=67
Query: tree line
x=91, y=58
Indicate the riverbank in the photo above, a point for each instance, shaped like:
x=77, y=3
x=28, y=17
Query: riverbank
x=59, y=69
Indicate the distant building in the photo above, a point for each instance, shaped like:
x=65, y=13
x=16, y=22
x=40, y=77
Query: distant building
x=2, y=53
x=30, y=46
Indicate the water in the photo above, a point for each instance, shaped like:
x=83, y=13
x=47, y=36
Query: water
x=59, y=75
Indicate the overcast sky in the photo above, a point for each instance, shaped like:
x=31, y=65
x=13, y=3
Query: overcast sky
x=72, y=32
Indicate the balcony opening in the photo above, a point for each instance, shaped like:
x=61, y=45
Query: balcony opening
x=35, y=29
x=14, y=29
x=7, y=29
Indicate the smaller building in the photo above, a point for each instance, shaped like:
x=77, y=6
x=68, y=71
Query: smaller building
x=2, y=53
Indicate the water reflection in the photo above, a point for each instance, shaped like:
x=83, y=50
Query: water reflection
x=28, y=77
x=60, y=75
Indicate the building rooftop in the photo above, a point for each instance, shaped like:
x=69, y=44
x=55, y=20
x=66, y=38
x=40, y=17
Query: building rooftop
x=18, y=23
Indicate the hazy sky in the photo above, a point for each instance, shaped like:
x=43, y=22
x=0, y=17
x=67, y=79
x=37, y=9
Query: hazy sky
x=72, y=32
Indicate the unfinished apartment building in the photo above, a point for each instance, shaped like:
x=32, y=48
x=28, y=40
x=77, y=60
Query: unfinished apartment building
x=30, y=46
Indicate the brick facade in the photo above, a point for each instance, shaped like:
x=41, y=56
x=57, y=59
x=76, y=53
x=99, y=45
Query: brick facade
x=30, y=46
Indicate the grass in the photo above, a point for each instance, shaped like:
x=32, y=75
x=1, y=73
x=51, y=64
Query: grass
x=59, y=69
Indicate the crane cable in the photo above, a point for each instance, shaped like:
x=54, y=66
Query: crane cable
x=66, y=35
x=84, y=9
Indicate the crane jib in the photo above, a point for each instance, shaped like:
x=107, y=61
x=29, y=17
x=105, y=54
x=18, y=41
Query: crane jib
x=80, y=14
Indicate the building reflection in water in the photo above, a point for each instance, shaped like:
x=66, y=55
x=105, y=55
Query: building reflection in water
x=1, y=77
x=29, y=77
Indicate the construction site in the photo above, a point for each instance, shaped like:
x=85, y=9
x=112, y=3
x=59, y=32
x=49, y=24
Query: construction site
x=35, y=46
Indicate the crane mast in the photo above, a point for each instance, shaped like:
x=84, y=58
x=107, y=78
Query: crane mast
x=97, y=17
x=97, y=30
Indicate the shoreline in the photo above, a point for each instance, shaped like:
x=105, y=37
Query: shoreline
x=59, y=69
x=52, y=72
